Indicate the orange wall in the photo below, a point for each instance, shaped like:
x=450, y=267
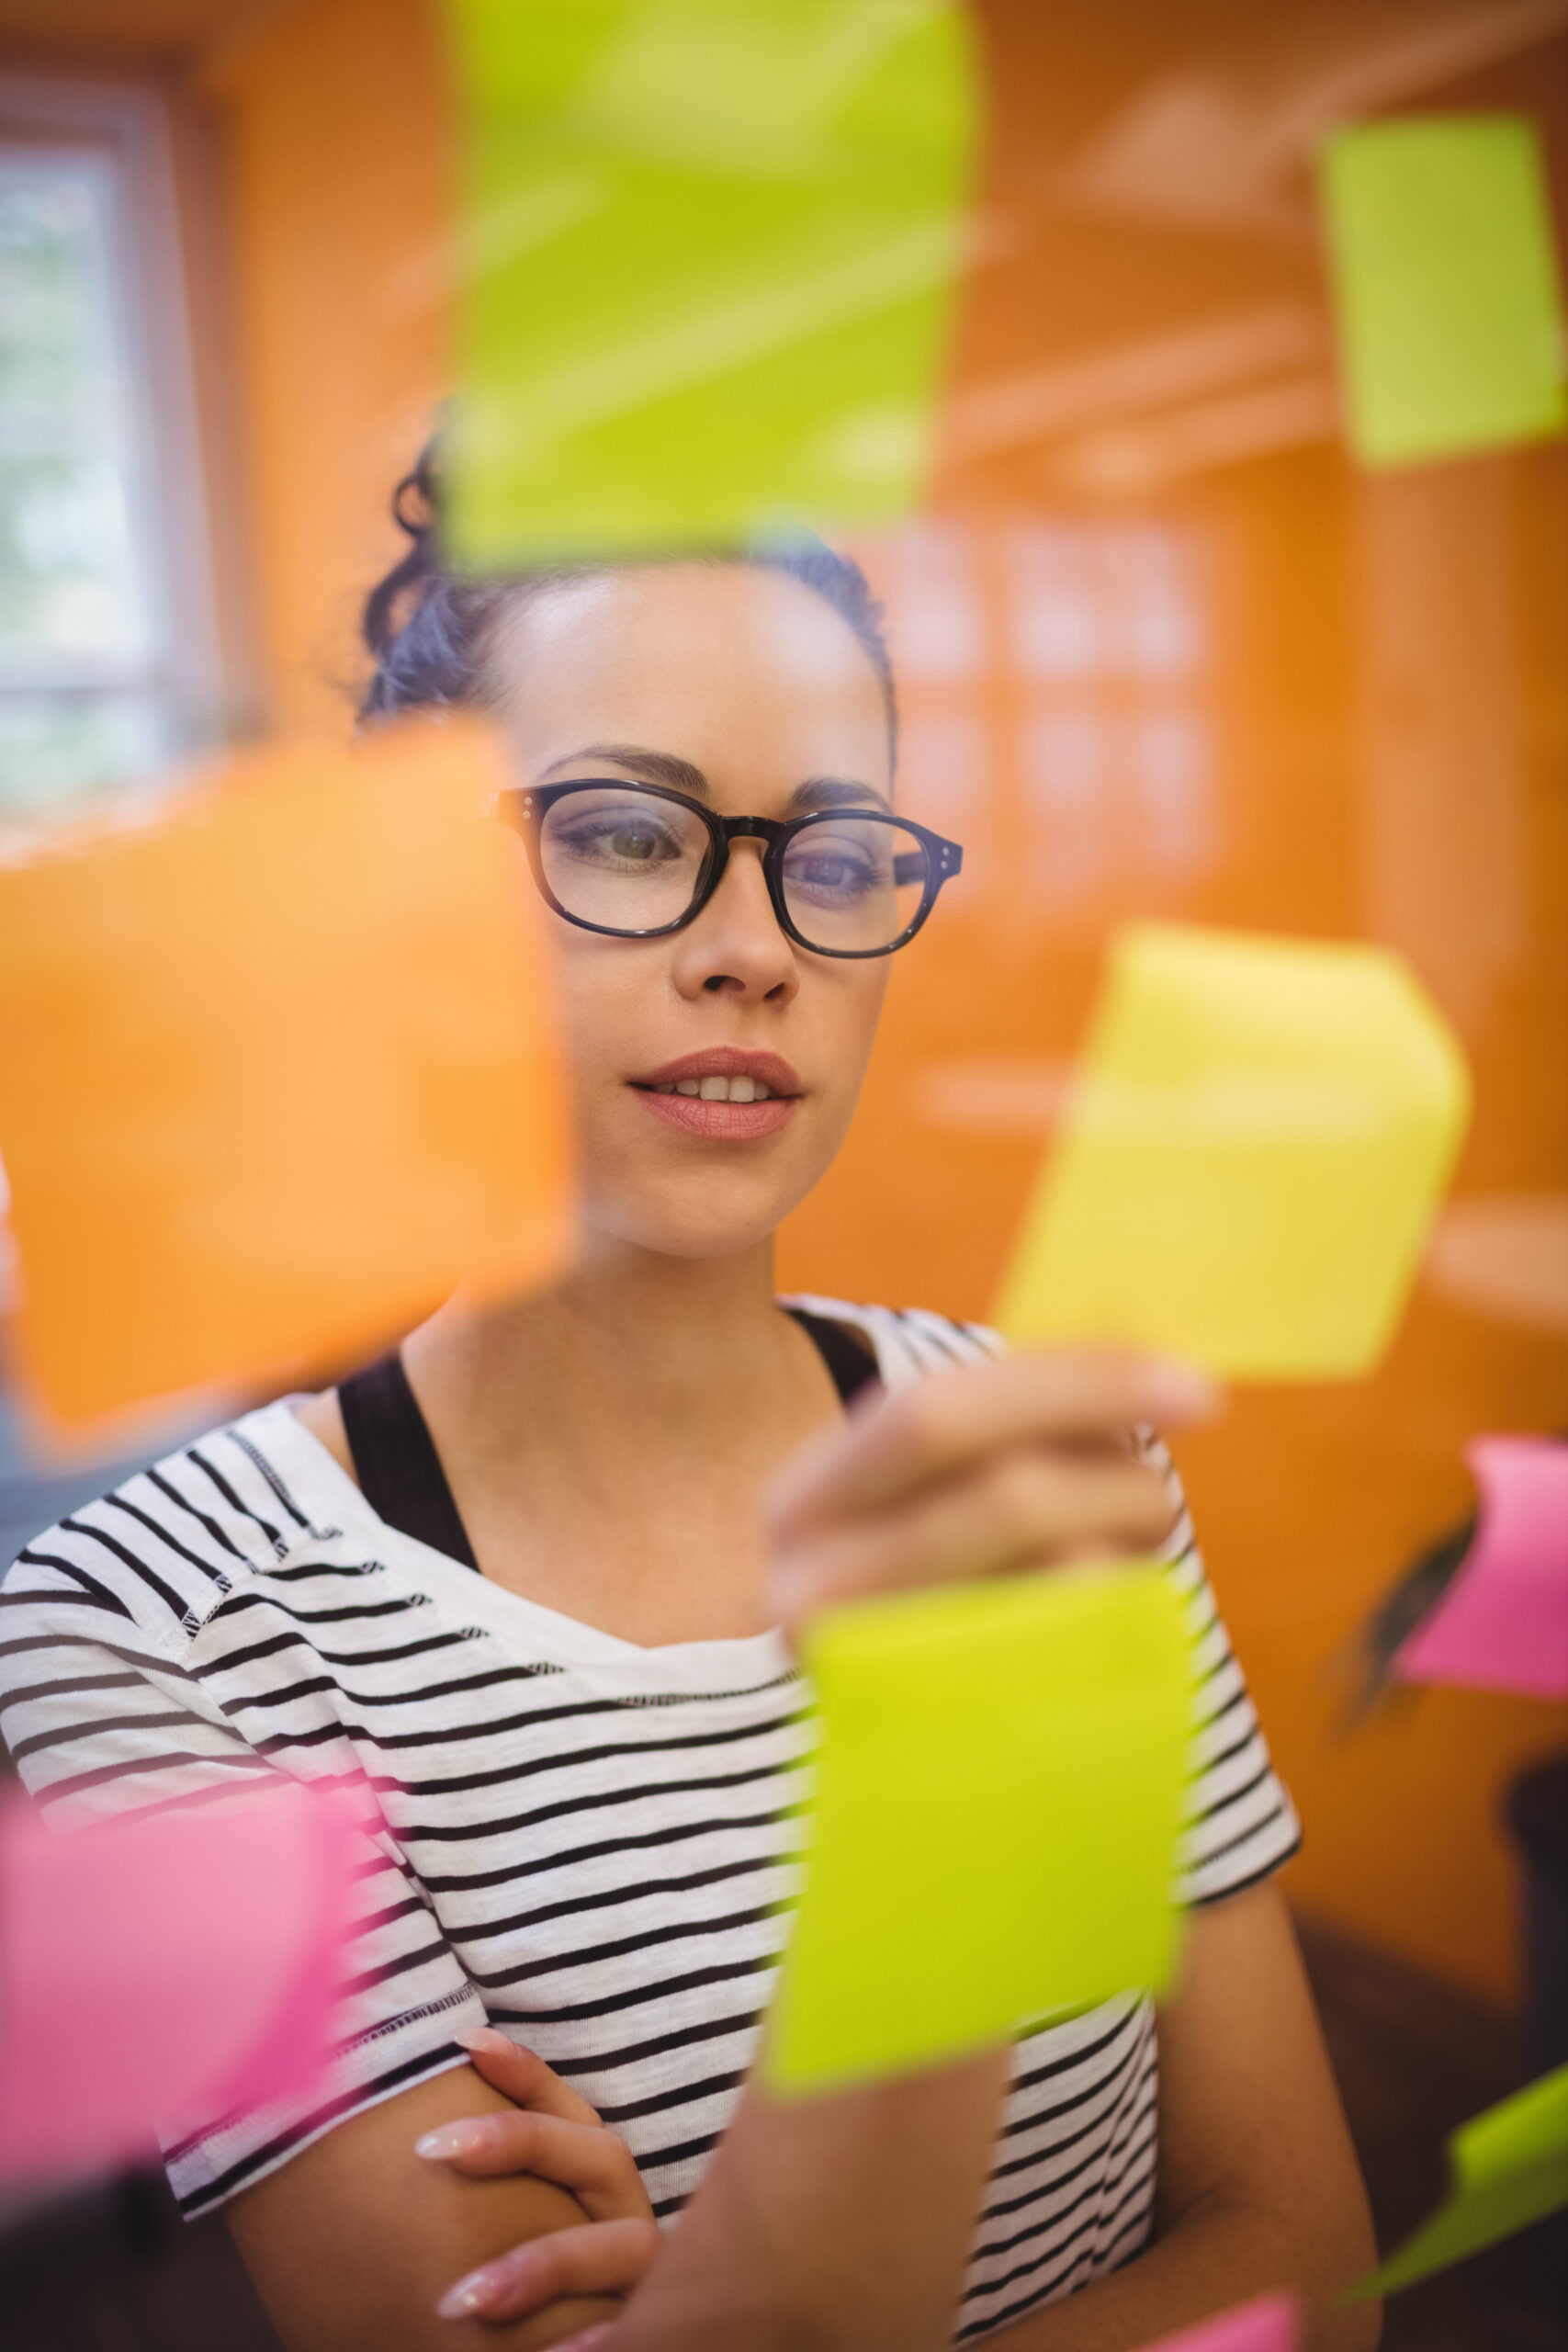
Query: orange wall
x=1366, y=735
x=339, y=156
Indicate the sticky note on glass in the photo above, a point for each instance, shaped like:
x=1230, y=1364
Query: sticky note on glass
x=1447, y=287
x=1509, y=2168
x=1502, y=1622
x=1252, y=1155
x=275, y=1073
x=998, y=1794
x=1267, y=2325
x=707, y=269
x=205, y=1946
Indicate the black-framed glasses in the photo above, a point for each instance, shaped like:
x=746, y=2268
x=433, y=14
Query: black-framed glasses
x=638, y=860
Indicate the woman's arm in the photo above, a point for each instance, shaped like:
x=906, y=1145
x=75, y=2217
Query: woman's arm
x=835, y=2224
x=841, y=2225
x=1258, y=2187
x=354, y=2242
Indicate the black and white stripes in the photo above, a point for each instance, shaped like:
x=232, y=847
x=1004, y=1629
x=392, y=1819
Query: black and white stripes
x=585, y=1841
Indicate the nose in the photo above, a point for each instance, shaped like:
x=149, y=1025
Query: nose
x=735, y=947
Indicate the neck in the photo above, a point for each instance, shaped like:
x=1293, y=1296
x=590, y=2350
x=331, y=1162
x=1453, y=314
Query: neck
x=677, y=1337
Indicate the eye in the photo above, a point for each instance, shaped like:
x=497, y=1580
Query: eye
x=836, y=868
x=620, y=839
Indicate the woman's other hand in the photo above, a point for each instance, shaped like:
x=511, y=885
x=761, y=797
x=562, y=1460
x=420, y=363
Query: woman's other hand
x=557, y=2136
x=985, y=1470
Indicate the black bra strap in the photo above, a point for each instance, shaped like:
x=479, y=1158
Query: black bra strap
x=395, y=1460
x=847, y=1358
x=399, y=1471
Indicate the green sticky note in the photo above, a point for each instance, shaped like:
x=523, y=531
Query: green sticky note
x=1250, y=1161
x=998, y=1794
x=706, y=272
x=1451, y=310
x=1509, y=2168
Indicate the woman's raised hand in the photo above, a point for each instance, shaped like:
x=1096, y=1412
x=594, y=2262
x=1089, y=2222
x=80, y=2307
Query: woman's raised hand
x=556, y=2136
x=1030, y=1462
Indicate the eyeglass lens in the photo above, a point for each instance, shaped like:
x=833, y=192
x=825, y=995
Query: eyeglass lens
x=626, y=860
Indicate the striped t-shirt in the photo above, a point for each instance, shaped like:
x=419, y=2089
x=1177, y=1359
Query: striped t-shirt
x=585, y=1841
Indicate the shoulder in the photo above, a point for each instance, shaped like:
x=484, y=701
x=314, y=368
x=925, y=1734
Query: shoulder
x=907, y=1341
x=162, y=1550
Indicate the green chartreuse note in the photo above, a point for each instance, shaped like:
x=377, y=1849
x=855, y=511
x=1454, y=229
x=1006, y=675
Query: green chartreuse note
x=707, y=267
x=1509, y=2168
x=1447, y=286
x=999, y=1798
x=1251, y=1159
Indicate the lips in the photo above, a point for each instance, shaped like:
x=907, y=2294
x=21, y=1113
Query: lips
x=723, y=1094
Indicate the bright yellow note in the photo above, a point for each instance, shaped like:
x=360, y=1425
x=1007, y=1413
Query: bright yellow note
x=1257, y=1144
x=275, y=1073
x=1510, y=2168
x=998, y=1794
x=707, y=265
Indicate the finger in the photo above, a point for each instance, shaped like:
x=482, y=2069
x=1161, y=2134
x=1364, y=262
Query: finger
x=595, y=2258
x=523, y=2076
x=596, y=2164
x=942, y=1425
x=1028, y=1511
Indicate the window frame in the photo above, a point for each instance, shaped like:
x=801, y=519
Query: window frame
x=129, y=122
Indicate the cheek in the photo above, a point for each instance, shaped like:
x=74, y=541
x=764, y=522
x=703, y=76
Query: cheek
x=599, y=989
x=863, y=999
x=840, y=1014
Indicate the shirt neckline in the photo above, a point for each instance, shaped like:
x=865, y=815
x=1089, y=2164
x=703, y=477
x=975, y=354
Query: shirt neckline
x=331, y=1499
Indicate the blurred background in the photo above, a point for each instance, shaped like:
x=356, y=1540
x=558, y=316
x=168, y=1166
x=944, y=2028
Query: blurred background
x=1163, y=649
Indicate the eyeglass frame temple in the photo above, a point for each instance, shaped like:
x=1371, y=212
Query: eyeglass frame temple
x=532, y=803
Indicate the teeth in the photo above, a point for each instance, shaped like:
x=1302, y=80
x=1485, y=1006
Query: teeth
x=720, y=1089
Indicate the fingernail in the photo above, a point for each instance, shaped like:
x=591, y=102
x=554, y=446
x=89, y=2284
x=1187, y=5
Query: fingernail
x=453, y=2139
x=474, y=2293
x=489, y=2038
x=586, y=2342
x=1178, y=1392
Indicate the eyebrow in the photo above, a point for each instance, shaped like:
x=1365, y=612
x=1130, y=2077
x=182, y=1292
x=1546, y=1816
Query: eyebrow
x=681, y=775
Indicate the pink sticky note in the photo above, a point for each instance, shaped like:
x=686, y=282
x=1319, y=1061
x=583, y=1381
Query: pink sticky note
x=1503, y=1622
x=162, y=1969
x=1267, y=2325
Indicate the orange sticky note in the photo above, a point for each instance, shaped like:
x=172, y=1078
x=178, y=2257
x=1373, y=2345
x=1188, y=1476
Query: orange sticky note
x=276, y=1071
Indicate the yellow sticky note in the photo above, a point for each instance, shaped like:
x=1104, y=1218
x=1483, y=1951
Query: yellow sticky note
x=275, y=1073
x=1509, y=2168
x=707, y=263
x=998, y=1794
x=1446, y=285
x=1254, y=1151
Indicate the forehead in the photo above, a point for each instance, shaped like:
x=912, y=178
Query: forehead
x=747, y=673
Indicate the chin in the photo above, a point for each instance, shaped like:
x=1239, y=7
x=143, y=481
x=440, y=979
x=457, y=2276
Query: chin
x=693, y=1230
x=708, y=1214
x=720, y=1210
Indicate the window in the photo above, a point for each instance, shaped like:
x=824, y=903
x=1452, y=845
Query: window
x=107, y=654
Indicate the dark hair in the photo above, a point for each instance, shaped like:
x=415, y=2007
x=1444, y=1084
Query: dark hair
x=429, y=628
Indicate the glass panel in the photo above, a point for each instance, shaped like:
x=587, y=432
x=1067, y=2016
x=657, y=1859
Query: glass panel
x=79, y=602
x=55, y=748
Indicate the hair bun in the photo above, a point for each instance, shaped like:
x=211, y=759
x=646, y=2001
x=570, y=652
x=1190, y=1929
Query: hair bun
x=393, y=603
x=421, y=489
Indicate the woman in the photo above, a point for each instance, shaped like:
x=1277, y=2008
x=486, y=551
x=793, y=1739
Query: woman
x=519, y=1577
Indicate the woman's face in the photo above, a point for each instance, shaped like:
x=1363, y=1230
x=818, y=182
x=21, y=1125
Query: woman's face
x=747, y=691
